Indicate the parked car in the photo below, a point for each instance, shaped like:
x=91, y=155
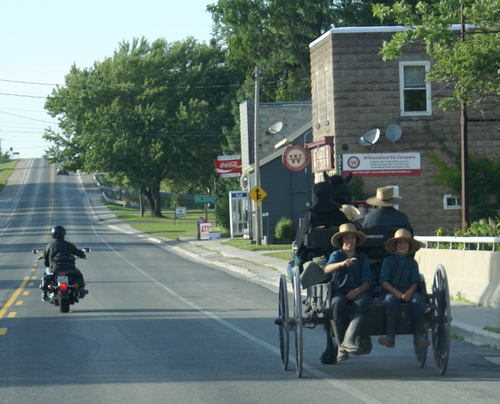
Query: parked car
x=61, y=171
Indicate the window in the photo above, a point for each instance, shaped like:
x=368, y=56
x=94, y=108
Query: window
x=415, y=92
x=451, y=202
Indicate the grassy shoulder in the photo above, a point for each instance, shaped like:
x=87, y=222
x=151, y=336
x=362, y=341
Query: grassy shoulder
x=6, y=168
x=170, y=227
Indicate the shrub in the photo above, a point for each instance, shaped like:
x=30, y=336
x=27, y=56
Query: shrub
x=284, y=229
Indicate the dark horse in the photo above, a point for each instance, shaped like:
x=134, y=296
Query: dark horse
x=339, y=187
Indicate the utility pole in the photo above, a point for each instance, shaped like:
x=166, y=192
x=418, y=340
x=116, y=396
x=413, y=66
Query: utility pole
x=258, y=225
x=464, y=144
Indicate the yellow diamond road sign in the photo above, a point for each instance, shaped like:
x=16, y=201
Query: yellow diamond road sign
x=257, y=194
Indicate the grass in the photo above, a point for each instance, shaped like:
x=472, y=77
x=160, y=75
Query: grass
x=6, y=167
x=167, y=226
x=187, y=227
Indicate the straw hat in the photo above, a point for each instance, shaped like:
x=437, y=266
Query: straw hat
x=351, y=212
x=402, y=234
x=385, y=197
x=347, y=228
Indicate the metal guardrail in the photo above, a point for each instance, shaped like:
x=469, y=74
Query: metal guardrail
x=460, y=243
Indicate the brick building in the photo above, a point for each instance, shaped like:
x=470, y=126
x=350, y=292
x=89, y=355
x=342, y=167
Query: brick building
x=354, y=92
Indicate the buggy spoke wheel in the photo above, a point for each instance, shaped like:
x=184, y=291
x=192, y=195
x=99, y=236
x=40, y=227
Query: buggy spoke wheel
x=441, y=327
x=297, y=316
x=284, y=332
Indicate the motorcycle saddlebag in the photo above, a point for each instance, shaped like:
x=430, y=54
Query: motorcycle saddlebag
x=46, y=281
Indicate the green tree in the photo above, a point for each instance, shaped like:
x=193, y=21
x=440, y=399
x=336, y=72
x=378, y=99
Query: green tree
x=275, y=35
x=151, y=114
x=484, y=182
x=470, y=62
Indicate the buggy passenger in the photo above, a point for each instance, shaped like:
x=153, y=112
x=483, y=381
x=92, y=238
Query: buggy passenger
x=400, y=279
x=351, y=286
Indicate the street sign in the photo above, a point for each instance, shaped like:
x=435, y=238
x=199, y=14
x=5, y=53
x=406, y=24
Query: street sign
x=257, y=194
x=205, y=199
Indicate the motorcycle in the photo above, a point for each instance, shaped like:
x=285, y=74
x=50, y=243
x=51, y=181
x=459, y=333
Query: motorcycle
x=60, y=282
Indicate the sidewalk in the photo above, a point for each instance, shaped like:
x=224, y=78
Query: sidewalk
x=468, y=320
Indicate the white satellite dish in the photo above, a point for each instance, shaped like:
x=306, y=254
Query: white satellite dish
x=276, y=128
x=370, y=138
x=393, y=132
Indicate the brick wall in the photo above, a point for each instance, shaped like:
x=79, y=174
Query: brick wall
x=354, y=90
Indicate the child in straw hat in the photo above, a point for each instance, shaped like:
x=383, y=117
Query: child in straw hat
x=400, y=279
x=351, y=279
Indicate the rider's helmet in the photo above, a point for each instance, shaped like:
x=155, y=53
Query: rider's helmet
x=58, y=232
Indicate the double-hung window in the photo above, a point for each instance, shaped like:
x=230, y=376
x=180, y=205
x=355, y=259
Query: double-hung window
x=415, y=91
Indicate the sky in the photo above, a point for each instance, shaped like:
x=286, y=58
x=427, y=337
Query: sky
x=41, y=39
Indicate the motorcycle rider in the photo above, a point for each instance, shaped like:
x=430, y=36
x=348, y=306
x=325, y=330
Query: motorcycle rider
x=61, y=250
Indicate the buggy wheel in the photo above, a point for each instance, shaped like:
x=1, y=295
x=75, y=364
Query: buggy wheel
x=441, y=326
x=283, y=322
x=297, y=320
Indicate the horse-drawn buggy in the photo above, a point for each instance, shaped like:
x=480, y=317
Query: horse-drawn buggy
x=312, y=296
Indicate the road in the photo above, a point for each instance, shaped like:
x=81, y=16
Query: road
x=159, y=327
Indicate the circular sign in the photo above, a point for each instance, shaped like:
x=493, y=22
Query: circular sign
x=353, y=162
x=295, y=158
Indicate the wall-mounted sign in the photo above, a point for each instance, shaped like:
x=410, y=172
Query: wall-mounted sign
x=295, y=158
x=381, y=164
x=321, y=158
x=228, y=166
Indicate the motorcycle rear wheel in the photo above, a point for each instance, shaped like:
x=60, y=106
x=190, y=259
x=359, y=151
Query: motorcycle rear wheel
x=64, y=305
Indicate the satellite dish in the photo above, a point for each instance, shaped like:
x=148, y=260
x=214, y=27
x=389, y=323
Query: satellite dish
x=276, y=128
x=370, y=137
x=393, y=132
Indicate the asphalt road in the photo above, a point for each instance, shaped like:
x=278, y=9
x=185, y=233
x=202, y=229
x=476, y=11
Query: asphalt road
x=159, y=327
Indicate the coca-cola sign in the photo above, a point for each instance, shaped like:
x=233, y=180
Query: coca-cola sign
x=228, y=166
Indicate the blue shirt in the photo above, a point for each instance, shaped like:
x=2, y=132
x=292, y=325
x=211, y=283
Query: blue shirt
x=357, y=274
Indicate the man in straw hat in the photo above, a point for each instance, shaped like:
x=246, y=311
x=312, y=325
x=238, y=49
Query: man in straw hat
x=400, y=278
x=351, y=286
x=386, y=215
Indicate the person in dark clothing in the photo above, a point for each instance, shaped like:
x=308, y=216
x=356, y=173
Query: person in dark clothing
x=323, y=212
x=400, y=279
x=386, y=215
x=62, y=251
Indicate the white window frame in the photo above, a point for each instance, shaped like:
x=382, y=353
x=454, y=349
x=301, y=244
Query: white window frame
x=427, y=84
x=447, y=198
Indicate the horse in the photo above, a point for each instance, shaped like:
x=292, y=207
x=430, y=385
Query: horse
x=339, y=187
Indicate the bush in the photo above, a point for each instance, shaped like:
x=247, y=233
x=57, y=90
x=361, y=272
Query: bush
x=284, y=229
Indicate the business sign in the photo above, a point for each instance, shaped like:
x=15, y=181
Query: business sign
x=381, y=164
x=180, y=211
x=321, y=158
x=228, y=166
x=295, y=158
x=205, y=229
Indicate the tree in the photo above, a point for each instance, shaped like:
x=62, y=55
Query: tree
x=470, y=62
x=275, y=35
x=151, y=114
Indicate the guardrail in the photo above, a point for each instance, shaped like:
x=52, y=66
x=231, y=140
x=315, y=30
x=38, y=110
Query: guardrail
x=461, y=243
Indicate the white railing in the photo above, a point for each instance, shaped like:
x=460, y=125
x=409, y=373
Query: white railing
x=461, y=243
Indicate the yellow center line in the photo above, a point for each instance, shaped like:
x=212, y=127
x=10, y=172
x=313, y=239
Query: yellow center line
x=7, y=305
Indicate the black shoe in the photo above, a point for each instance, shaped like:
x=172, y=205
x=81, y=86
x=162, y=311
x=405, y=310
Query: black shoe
x=44, y=297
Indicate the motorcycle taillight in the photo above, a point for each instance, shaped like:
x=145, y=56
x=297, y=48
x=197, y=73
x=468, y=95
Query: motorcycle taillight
x=63, y=287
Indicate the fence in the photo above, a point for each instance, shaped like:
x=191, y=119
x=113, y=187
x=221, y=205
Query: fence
x=472, y=265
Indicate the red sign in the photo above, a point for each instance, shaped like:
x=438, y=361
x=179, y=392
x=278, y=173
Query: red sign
x=228, y=166
x=295, y=158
